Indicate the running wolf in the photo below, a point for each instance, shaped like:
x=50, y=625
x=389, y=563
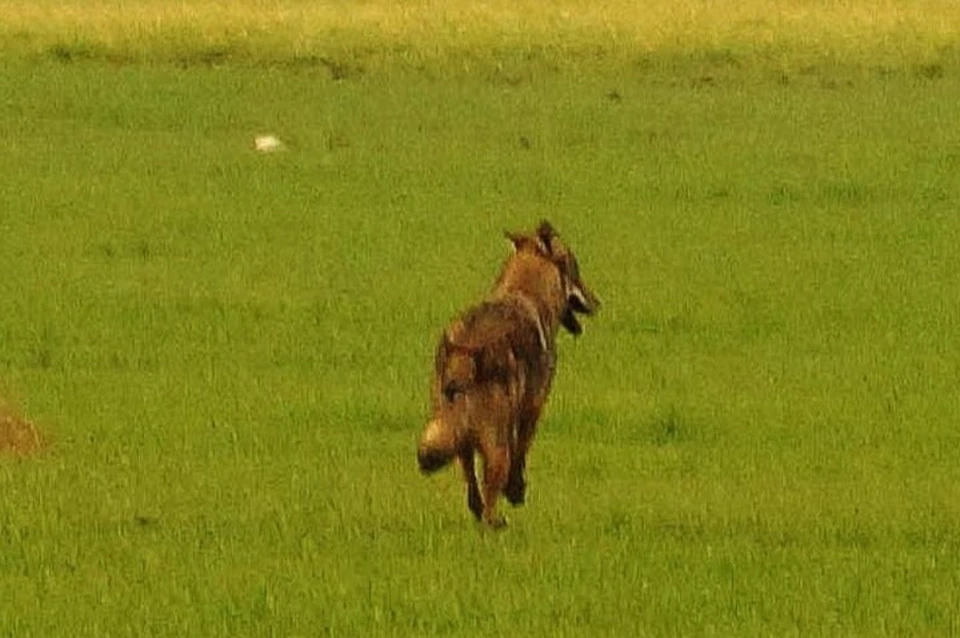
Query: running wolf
x=494, y=366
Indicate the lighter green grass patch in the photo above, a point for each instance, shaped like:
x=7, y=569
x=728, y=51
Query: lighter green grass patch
x=423, y=32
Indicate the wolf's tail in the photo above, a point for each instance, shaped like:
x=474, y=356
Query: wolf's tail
x=437, y=447
x=456, y=369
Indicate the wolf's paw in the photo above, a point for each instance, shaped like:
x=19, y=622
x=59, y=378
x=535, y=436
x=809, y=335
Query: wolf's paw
x=516, y=490
x=495, y=521
x=475, y=503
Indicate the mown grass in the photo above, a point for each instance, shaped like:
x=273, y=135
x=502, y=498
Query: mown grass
x=228, y=353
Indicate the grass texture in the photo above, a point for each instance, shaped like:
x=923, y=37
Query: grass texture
x=227, y=353
x=423, y=32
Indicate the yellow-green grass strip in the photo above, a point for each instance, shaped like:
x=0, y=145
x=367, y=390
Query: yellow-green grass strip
x=285, y=29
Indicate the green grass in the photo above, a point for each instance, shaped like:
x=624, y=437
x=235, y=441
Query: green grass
x=230, y=352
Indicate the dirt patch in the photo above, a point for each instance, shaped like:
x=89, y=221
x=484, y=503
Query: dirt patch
x=18, y=436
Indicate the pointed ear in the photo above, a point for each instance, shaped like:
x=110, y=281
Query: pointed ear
x=546, y=233
x=515, y=238
x=521, y=241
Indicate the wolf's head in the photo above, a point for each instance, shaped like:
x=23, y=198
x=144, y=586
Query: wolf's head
x=577, y=298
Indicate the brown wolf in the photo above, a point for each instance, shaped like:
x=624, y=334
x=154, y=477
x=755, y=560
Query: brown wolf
x=494, y=366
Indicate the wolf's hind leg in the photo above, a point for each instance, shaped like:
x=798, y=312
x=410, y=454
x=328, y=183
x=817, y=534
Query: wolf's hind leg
x=496, y=466
x=474, y=500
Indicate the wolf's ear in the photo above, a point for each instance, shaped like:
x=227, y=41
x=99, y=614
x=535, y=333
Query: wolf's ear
x=546, y=234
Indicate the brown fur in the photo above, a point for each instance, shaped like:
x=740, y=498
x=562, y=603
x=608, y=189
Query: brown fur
x=17, y=435
x=494, y=367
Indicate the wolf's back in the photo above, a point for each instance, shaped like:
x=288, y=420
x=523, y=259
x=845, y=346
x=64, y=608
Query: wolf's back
x=482, y=346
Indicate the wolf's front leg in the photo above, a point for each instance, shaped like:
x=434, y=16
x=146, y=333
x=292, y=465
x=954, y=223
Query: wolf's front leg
x=516, y=488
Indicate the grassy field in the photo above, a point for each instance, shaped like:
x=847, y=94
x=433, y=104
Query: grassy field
x=423, y=32
x=227, y=353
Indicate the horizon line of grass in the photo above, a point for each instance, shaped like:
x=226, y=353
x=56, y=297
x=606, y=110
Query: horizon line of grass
x=789, y=32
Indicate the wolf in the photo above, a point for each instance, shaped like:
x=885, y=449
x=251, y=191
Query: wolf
x=494, y=366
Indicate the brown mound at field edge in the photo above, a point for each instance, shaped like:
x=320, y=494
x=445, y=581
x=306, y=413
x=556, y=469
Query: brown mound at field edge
x=18, y=436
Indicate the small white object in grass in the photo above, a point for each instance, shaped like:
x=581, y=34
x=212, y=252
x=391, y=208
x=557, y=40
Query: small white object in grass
x=267, y=143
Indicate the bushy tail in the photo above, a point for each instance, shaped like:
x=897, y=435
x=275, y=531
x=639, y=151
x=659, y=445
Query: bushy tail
x=437, y=446
x=456, y=369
